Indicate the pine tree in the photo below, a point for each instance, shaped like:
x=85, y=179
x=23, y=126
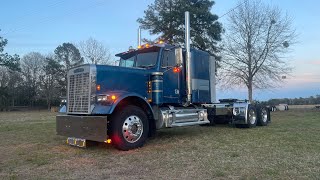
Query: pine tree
x=166, y=19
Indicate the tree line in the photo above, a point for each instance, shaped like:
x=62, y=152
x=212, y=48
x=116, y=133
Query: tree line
x=39, y=80
x=295, y=101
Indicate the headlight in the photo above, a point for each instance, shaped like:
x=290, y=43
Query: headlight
x=106, y=99
x=101, y=98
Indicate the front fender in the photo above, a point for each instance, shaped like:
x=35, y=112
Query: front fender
x=108, y=109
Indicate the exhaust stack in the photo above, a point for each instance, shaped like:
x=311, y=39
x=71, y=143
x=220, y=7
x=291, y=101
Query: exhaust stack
x=188, y=63
x=139, y=36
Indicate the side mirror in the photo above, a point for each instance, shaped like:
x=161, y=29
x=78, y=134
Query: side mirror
x=178, y=56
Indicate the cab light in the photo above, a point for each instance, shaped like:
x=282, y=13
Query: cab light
x=113, y=97
x=139, y=47
x=161, y=42
x=98, y=87
x=147, y=45
x=176, y=69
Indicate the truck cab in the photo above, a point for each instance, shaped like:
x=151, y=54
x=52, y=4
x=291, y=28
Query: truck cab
x=151, y=78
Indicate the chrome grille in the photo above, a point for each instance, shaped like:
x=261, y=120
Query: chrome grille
x=79, y=93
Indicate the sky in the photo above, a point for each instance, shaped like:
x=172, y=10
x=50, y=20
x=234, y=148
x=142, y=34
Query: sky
x=42, y=25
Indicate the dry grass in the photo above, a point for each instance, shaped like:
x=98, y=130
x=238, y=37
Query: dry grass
x=288, y=148
x=303, y=106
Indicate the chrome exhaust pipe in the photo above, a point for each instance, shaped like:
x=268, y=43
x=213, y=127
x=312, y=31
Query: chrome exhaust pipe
x=188, y=63
x=139, y=36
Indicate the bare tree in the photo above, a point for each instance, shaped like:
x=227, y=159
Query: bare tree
x=31, y=69
x=10, y=87
x=94, y=52
x=51, y=80
x=257, y=39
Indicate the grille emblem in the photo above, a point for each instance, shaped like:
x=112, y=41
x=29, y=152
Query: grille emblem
x=78, y=70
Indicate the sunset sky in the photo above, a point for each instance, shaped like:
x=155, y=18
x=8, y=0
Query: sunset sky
x=42, y=25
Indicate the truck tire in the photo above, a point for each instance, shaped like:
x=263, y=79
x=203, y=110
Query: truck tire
x=129, y=128
x=252, y=117
x=263, y=116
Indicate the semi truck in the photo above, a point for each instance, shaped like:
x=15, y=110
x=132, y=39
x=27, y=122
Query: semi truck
x=155, y=86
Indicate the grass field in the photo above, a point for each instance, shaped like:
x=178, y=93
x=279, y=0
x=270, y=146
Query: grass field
x=289, y=148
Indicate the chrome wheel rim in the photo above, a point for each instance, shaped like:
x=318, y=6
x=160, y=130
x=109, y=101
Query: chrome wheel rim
x=264, y=115
x=132, y=129
x=252, y=117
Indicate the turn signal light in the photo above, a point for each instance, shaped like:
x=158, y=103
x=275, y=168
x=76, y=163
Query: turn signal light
x=98, y=87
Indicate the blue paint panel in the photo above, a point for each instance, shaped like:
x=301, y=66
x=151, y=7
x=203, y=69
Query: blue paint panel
x=108, y=109
x=170, y=86
x=101, y=109
x=115, y=78
x=200, y=70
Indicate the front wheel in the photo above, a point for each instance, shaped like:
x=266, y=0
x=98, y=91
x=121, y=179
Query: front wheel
x=129, y=128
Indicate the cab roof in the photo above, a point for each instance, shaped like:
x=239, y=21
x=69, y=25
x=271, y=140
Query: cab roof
x=143, y=49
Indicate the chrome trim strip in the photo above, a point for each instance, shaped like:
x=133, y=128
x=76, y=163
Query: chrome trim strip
x=157, y=73
x=157, y=81
x=156, y=91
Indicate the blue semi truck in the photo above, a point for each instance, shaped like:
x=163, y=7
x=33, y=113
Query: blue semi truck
x=155, y=86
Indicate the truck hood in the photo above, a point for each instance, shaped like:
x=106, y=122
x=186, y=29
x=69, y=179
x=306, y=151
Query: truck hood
x=115, y=78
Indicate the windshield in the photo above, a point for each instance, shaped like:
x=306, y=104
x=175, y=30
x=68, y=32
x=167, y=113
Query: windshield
x=127, y=62
x=142, y=60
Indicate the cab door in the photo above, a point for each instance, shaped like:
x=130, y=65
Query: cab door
x=171, y=84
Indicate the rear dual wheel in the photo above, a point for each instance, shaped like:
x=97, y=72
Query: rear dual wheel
x=251, y=118
x=263, y=116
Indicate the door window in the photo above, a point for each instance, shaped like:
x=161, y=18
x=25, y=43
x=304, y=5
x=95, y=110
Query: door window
x=168, y=59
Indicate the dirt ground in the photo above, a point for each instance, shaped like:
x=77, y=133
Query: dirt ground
x=288, y=148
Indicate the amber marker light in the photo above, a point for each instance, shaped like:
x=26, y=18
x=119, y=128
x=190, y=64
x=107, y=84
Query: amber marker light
x=176, y=69
x=161, y=42
x=108, y=141
x=139, y=47
x=147, y=45
x=113, y=97
x=98, y=87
